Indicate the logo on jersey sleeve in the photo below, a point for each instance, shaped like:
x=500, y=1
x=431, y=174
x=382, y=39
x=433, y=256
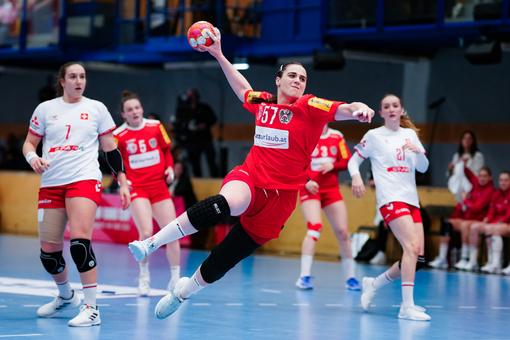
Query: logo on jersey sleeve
x=285, y=116
x=321, y=104
x=271, y=138
x=84, y=116
x=343, y=149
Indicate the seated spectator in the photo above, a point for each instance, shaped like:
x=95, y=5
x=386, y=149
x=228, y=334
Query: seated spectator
x=473, y=208
x=8, y=16
x=494, y=225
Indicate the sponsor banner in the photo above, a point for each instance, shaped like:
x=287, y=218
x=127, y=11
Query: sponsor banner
x=271, y=138
x=144, y=160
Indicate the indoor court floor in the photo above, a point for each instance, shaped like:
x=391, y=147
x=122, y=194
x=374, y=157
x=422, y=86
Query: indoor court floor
x=256, y=300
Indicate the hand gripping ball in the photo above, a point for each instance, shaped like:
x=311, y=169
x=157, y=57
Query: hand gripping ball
x=197, y=34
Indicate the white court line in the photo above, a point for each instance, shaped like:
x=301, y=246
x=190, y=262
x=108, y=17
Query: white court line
x=433, y=306
x=201, y=304
x=395, y=306
x=3, y=306
x=31, y=306
x=500, y=308
x=272, y=291
x=233, y=304
x=103, y=305
x=301, y=304
x=333, y=305
x=268, y=304
x=132, y=304
x=18, y=335
x=467, y=307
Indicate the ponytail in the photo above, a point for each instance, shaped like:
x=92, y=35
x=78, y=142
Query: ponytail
x=406, y=122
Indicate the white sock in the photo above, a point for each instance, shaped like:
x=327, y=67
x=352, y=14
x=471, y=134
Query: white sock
x=349, y=263
x=443, y=251
x=464, y=252
x=175, y=272
x=488, y=242
x=64, y=290
x=382, y=280
x=473, y=254
x=497, y=250
x=192, y=286
x=89, y=294
x=306, y=265
x=407, y=294
x=144, y=267
x=171, y=232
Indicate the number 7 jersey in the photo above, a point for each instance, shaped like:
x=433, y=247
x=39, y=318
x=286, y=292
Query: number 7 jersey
x=70, y=134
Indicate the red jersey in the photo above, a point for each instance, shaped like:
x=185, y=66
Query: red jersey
x=499, y=210
x=331, y=148
x=478, y=200
x=285, y=136
x=145, y=151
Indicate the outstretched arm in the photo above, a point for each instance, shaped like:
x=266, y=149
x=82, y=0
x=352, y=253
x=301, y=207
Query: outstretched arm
x=354, y=110
x=236, y=80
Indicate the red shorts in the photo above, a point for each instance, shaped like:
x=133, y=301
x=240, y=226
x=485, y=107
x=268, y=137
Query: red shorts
x=326, y=196
x=154, y=192
x=269, y=209
x=54, y=197
x=394, y=210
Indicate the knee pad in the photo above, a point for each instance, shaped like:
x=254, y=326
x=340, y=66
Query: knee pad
x=236, y=246
x=83, y=255
x=446, y=228
x=54, y=263
x=209, y=212
x=420, y=262
x=314, y=230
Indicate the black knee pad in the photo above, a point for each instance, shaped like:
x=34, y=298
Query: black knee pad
x=209, y=212
x=54, y=263
x=236, y=246
x=83, y=255
x=420, y=262
x=446, y=228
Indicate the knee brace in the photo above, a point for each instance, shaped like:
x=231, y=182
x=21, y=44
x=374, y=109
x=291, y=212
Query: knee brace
x=54, y=263
x=83, y=255
x=446, y=227
x=314, y=230
x=209, y=212
x=420, y=262
x=236, y=246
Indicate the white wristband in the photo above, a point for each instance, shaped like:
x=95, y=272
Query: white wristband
x=29, y=156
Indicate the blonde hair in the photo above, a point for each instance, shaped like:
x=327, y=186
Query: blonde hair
x=405, y=120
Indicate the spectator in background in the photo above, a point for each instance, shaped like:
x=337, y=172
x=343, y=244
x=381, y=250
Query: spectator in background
x=192, y=126
x=8, y=15
x=467, y=155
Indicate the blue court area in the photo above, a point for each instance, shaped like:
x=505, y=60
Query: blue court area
x=256, y=300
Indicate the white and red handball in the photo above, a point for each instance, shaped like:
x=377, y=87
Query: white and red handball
x=198, y=34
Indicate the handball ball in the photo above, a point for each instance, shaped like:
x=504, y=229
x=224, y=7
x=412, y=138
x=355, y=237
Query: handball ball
x=197, y=34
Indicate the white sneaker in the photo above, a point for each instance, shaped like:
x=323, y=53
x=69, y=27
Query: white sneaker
x=172, y=301
x=439, y=263
x=58, y=304
x=486, y=267
x=139, y=250
x=144, y=284
x=379, y=258
x=171, y=284
x=368, y=292
x=506, y=271
x=491, y=269
x=461, y=264
x=418, y=308
x=88, y=316
x=471, y=267
x=412, y=313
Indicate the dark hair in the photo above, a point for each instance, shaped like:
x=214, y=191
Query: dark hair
x=474, y=147
x=405, y=120
x=274, y=99
x=487, y=169
x=504, y=172
x=61, y=74
x=127, y=95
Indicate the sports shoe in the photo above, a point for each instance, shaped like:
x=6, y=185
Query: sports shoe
x=461, y=264
x=439, y=263
x=471, y=267
x=412, y=313
x=58, y=304
x=491, y=268
x=352, y=284
x=304, y=282
x=506, y=271
x=139, y=250
x=418, y=308
x=171, y=284
x=88, y=316
x=379, y=258
x=172, y=301
x=486, y=267
x=144, y=284
x=368, y=293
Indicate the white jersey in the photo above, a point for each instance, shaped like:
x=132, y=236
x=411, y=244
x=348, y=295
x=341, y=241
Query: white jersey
x=393, y=169
x=70, y=134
